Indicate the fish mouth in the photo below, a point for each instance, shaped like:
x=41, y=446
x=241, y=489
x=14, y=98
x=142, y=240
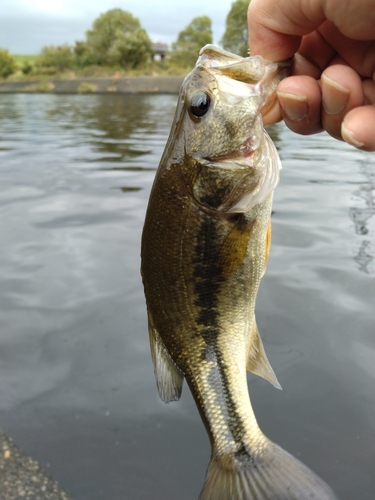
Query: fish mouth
x=255, y=164
x=240, y=78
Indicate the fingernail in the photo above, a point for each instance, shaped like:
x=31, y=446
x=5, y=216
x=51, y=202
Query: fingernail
x=294, y=106
x=334, y=96
x=348, y=137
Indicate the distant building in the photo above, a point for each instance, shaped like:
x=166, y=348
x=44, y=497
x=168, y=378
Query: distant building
x=159, y=50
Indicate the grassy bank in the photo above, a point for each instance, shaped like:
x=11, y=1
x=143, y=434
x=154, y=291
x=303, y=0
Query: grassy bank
x=154, y=68
x=24, y=59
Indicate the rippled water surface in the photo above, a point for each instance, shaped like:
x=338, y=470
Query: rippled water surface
x=77, y=390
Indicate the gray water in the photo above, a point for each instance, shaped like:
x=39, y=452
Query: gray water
x=77, y=389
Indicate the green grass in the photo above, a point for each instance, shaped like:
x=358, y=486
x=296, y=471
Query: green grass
x=22, y=59
x=156, y=68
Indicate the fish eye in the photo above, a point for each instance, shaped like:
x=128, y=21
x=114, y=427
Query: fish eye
x=200, y=104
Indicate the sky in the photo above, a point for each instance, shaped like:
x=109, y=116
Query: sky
x=28, y=25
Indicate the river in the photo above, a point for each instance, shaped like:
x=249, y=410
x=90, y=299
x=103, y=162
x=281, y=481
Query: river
x=77, y=389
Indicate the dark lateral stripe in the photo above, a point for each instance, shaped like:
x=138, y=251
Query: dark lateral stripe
x=209, y=278
x=235, y=424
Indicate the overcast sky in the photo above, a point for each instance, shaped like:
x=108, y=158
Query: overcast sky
x=28, y=25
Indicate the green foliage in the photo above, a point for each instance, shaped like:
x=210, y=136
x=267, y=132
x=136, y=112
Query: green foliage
x=190, y=40
x=235, y=38
x=81, y=54
x=118, y=38
x=23, y=60
x=56, y=58
x=7, y=63
x=27, y=68
x=131, y=50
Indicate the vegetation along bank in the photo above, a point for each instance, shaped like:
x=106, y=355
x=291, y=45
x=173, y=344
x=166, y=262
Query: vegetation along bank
x=117, y=55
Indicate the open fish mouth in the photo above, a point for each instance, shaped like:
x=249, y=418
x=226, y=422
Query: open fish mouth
x=240, y=79
x=242, y=157
x=244, y=76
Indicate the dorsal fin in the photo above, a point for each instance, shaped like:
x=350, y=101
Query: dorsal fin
x=257, y=361
x=169, y=378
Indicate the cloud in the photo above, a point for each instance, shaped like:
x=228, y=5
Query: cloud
x=28, y=25
x=25, y=35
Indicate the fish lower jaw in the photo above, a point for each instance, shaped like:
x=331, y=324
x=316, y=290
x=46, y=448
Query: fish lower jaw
x=243, y=158
x=236, y=162
x=240, y=158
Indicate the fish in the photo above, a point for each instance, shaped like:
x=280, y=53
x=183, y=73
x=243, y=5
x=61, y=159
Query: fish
x=204, y=249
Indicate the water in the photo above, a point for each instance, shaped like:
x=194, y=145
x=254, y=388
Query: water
x=77, y=390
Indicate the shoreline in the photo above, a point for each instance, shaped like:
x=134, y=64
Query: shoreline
x=110, y=85
x=22, y=477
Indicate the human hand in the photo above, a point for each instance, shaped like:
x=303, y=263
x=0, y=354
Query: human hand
x=332, y=84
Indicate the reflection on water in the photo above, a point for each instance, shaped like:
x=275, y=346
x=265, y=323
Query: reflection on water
x=129, y=169
x=77, y=389
x=114, y=125
x=126, y=189
x=364, y=256
x=364, y=209
x=363, y=213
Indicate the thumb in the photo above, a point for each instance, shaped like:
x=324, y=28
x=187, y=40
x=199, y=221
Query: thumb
x=276, y=27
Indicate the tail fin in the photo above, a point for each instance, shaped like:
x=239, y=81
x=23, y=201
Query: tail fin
x=275, y=475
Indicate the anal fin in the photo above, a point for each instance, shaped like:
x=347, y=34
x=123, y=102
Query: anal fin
x=257, y=361
x=169, y=378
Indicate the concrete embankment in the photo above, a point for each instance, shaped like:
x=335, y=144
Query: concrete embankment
x=130, y=85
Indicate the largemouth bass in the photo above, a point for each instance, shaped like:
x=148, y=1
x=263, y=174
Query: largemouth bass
x=205, y=247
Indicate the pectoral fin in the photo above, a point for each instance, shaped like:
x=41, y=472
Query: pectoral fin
x=257, y=361
x=169, y=378
x=268, y=243
x=233, y=250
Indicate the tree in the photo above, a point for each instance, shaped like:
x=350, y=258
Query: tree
x=190, y=40
x=7, y=63
x=118, y=38
x=235, y=38
x=81, y=54
x=58, y=58
x=131, y=50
